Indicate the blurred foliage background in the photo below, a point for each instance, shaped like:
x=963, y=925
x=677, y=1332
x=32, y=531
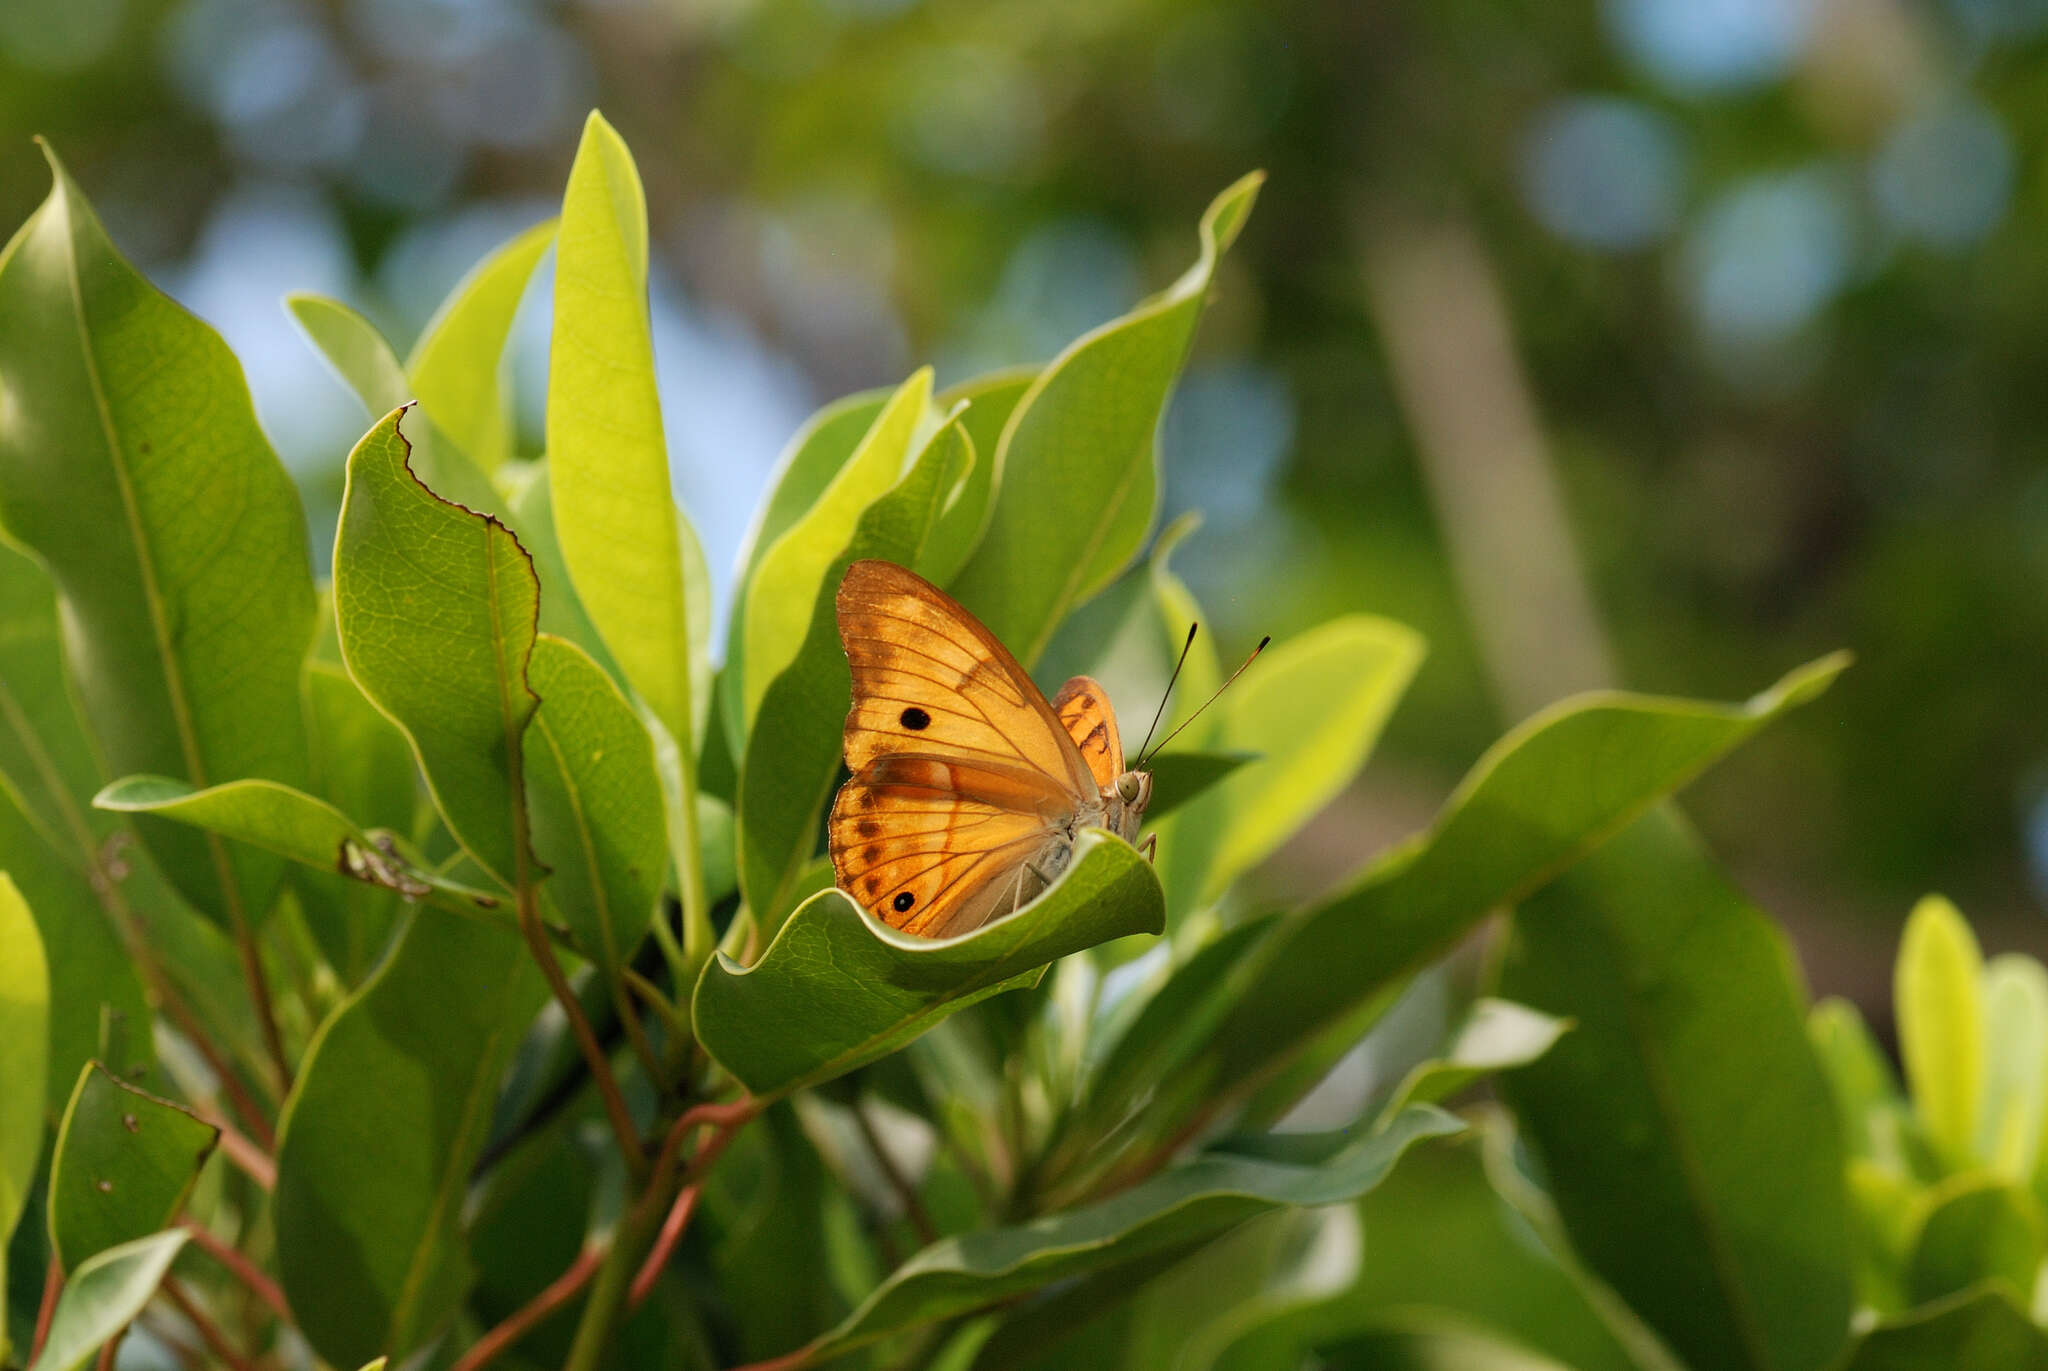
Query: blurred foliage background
x=1658, y=343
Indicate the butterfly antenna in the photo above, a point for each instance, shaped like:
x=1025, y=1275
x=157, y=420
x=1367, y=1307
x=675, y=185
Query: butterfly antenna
x=1205, y=704
x=1160, y=712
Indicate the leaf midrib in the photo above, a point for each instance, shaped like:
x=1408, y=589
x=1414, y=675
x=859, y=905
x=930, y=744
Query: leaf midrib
x=173, y=672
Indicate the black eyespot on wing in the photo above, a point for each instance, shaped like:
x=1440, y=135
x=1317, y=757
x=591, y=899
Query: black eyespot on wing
x=903, y=901
x=914, y=717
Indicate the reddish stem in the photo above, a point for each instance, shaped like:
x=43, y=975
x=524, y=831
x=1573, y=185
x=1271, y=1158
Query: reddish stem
x=246, y=1156
x=241, y=1268
x=657, y=1257
x=209, y=1332
x=53, y=1285
x=521, y=1321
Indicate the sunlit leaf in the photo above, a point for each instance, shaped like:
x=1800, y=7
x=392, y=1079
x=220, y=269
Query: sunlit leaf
x=133, y=467
x=437, y=607
x=1077, y=470
x=457, y=367
x=1940, y=1012
x=103, y=1297
x=614, y=511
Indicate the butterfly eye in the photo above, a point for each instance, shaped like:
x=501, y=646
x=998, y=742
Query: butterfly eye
x=903, y=901
x=1127, y=788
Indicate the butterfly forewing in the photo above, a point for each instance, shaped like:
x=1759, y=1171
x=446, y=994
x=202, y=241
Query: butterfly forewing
x=929, y=679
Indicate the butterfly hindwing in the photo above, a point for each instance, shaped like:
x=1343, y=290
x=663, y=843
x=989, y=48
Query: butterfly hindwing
x=934, y=852
x=1082, y=707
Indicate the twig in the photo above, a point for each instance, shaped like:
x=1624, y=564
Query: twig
x=108, y=1351
x=246, y=1156
x=522, y=1320
x=241, y=1268
x=664, y=1243
x=53, y=1285
x=209, y=1332
x=651, y=995
x=913, y=1207
x=627, y=1135
x=726, y=1120
x=728, y=1117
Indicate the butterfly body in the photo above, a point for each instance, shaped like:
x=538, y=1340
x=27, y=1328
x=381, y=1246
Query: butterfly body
x=969, y=787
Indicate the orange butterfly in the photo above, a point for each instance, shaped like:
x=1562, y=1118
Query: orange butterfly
x=969, y=789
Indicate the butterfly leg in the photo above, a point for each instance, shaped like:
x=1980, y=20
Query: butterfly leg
x=1149, y=849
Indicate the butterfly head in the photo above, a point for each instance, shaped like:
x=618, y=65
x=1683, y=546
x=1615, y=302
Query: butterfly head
x=1126, y=802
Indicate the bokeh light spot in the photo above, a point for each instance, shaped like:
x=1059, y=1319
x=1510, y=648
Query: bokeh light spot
x=1710, y=45
x=1603, y=172
x=1944, y=175
x=1767, y=255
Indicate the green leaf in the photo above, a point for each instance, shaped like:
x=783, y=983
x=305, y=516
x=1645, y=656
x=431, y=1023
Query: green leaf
x=24, y=1055
x=1443, y=1248
x=293, y=824
x=1077, y=470
x=361, y=767
x=794, y=756
x=807, y=465
x=364, y=361
x=2014, y=1107
x=837, y=990
x=989, y=401
x=457, y=367
x=1728, y=1236
x=50, y=838
x=1205, y=1197
x=1178, y=777
x=390, y=1110
x=784, y=590
x=531, y=513
x=436, y=608
x=1977, y=1228
x=1979, y=1331
x=125, y=1161
x=104, y=1296
x=1496, y=1035
x=44, y=753
x=354, y=348
x=92, y=982
x=1940, y=1013
x=607, y=459
x=133, y=467
x=1867, y=1098
x=1311, y=708
x=1541, y=798
x=596, y=800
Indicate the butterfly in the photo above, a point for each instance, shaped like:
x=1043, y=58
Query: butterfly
x=969, y=787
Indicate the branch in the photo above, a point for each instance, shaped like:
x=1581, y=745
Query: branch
x=615, y=1110
x=209, y=1332
x=53, y=1285
x=240, y=1267
x=664, y=1243
x=522, y=1320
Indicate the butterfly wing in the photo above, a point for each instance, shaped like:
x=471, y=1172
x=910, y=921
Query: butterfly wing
x=938, y=848
x=929, y=680
x=1082, y=707
x=965, y=781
